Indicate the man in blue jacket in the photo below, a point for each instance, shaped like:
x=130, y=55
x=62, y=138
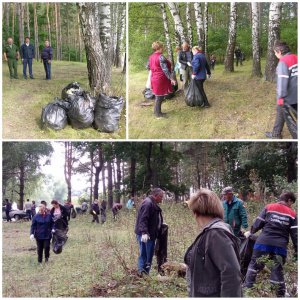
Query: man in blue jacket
x=234, y=211
x=27, y=55
x=147, y=229
x=46, y=59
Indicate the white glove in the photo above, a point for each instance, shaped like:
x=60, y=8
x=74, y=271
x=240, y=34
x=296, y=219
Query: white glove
x=193, y=76
x=53, y=230
x=189, y=64
x=32, y=237
x=145, y=238
x=208, y=75
x=247, y=234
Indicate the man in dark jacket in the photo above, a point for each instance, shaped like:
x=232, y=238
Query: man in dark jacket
x=147, y=228
x=95, y=211
x=278, y=221
x=115, y=210
x=27, y=55
x=7, y=210
x=235, y=213
x=287, y=85
x=238, y=56
x=185, y=59
x=46, y=59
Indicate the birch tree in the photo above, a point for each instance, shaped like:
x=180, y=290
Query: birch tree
x=256, y=66
x=188, y=23
x=20, y=14
x=273, y=36
x=105, y=27
x=199, y=23
x=177, y=21
x=99, y=77
x=205, y=26
x=120, y=28
x=167, y=34
x=229, y=58
x=48, y=22
x=68, y=167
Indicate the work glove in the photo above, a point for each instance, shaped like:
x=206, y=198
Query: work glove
x=247, y=234
x=32, y=237
x=189, y=64
x=193, y=76
x=53, y=230
x=145, y=238
x=280, y=101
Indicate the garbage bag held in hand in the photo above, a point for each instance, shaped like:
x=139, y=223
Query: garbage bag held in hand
x=148, y=94
x=59, y=239
x=81, y=112
x=71, y=91
x=73, y=213
x=193, y=97
x=290, y=117
x=246, y=250
x=108, y=112
x=54, y=115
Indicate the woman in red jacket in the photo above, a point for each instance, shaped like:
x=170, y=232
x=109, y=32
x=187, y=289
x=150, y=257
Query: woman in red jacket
x=161, y=80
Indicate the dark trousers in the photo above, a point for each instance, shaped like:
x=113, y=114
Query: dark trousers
x=239, y=60
x=13, y=67
x=8, y=218
x=43, y=245
x=28, y=213
x=27, y=61
x=200, y=86
x=157, y=105
x=47, y=68
x=146, y=255
x=276, y=277
x=279, y=121
x=95, y=218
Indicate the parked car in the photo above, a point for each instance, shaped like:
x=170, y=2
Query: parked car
x=15, y=213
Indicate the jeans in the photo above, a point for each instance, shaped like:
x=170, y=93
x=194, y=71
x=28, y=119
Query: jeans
x=47, y=68
x=43, y=245
x=28, y=213
x=29, y=62
x=146, y=254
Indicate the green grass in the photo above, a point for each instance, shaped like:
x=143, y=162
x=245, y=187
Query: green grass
x=241, y=108
x=23, y=101
x=94, y=260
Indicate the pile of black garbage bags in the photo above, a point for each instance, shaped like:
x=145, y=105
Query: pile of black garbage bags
x=81, y=110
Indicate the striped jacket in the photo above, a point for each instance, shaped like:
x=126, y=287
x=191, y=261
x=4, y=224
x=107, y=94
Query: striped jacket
x=287, y=77
x=277, y=222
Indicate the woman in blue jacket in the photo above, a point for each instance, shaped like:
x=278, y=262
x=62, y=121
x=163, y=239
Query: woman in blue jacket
x=41, y=230
x=200, y=68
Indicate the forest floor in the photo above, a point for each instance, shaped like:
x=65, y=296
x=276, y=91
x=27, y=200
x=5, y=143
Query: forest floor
x=241, y=108
x=100, y=260
x=23, y=101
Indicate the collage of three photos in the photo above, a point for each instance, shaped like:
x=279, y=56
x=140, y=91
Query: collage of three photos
x=149, y=149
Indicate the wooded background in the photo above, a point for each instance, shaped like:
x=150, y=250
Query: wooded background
x=217, y=27
x=125, y=169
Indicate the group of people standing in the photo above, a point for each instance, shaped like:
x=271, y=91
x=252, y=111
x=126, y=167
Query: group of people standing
x=213, y=259
x=27, y=53
x=97, y=210
x=192, y=65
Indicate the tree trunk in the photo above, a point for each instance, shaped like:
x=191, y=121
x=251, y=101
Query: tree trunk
x=36, y=33
x=273, y=36
x=199, y=23
x=22, y=185
x=99, y=77
x=59, y=32
x=124, y=64
x=79, y=39
x=48, y=23
x=105, y=29
x=104, y=182
x=205, y=27
x=149, y=173
x=20, y=14
x=118, y=181
x=229, y=58
x=13, y=20
x=132, y=171
x=28, y=19
x=177, y=21
x=98, y=169
x=167, y=34
x=109, y=184
x=120, y=28
x=92, y=176
x=256, y=66
x=188, y=23
x=68, y=167
x=7, y=9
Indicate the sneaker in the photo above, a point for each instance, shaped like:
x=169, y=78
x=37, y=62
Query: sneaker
x=31, y=77
x=270, y=135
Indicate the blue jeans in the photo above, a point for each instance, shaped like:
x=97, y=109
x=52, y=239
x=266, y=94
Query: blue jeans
x=146, y=255
x=47, y=68
x=29, y=62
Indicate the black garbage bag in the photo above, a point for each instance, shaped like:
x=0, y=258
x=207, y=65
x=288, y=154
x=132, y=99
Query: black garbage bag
x=246, y=250
x=291, y=117
x=71, y=91
x=193, y=97
x=81, y=112
x=54, y=115
x=108, y=112
x=59, y=239
x=73, y=213
x=148, y=94
x=161, y=247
